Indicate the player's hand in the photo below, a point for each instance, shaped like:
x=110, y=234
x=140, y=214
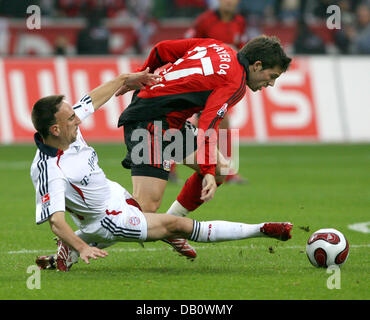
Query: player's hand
x=209, y=187
x=92, y=253
x=138, y=80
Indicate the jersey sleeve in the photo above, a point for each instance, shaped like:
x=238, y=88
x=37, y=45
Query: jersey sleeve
x=168, y=51
x=84, y=107
x=216, y=107
x=50, y=187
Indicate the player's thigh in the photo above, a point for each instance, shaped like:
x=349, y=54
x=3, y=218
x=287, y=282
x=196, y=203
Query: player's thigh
x=148, y=192
x=161, y=226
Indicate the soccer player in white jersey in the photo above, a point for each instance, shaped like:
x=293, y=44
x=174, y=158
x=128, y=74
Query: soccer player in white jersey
x=67, y=177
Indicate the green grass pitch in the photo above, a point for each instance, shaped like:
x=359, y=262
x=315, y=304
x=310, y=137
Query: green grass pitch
x=312, y=186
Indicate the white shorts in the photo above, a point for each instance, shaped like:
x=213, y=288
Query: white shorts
x=122, y=221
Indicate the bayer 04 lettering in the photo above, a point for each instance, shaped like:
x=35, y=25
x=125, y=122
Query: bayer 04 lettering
x=206, y=69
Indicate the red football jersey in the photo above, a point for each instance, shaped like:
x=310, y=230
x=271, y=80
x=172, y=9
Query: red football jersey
x=210, y=25
x=203, y=74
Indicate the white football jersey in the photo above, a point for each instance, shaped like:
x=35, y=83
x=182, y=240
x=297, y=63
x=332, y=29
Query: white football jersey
x=72, y=180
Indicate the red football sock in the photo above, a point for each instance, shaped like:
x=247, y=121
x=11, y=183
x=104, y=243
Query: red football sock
x=189, y=196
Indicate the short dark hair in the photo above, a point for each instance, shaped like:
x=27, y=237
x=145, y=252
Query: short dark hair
x=43, y=113
x=268, y=50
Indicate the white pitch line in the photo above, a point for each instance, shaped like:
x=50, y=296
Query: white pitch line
x=46, y=251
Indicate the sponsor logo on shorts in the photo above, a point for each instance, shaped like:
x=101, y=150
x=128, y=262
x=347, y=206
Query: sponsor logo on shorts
x=134, y=221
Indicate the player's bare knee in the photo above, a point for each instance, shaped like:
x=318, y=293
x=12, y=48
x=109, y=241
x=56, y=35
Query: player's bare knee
x=148, y=202
x=150, y=206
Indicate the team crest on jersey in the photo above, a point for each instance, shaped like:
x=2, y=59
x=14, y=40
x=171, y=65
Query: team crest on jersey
x=221, y=112
x=134, y=221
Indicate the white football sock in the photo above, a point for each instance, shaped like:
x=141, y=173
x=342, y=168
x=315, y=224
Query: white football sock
x=177, y=209
x=215, y=231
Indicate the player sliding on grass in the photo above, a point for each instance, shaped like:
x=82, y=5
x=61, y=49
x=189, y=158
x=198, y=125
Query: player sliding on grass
x=67, y=177
x=199, y=75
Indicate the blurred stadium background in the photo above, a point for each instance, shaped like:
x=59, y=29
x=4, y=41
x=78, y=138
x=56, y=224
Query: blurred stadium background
x=324, y=97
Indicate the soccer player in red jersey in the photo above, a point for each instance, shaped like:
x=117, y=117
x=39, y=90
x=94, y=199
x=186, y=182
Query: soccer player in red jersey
x=226, y=25
x=203, y=75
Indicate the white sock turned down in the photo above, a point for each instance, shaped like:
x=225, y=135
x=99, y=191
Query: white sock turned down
x=178, y=210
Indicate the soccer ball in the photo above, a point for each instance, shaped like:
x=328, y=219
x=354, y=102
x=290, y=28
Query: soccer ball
x=327, y=247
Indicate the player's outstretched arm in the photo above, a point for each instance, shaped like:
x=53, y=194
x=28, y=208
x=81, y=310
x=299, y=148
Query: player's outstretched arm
x=120, y=85
x=138, y=80
x=63, y=230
